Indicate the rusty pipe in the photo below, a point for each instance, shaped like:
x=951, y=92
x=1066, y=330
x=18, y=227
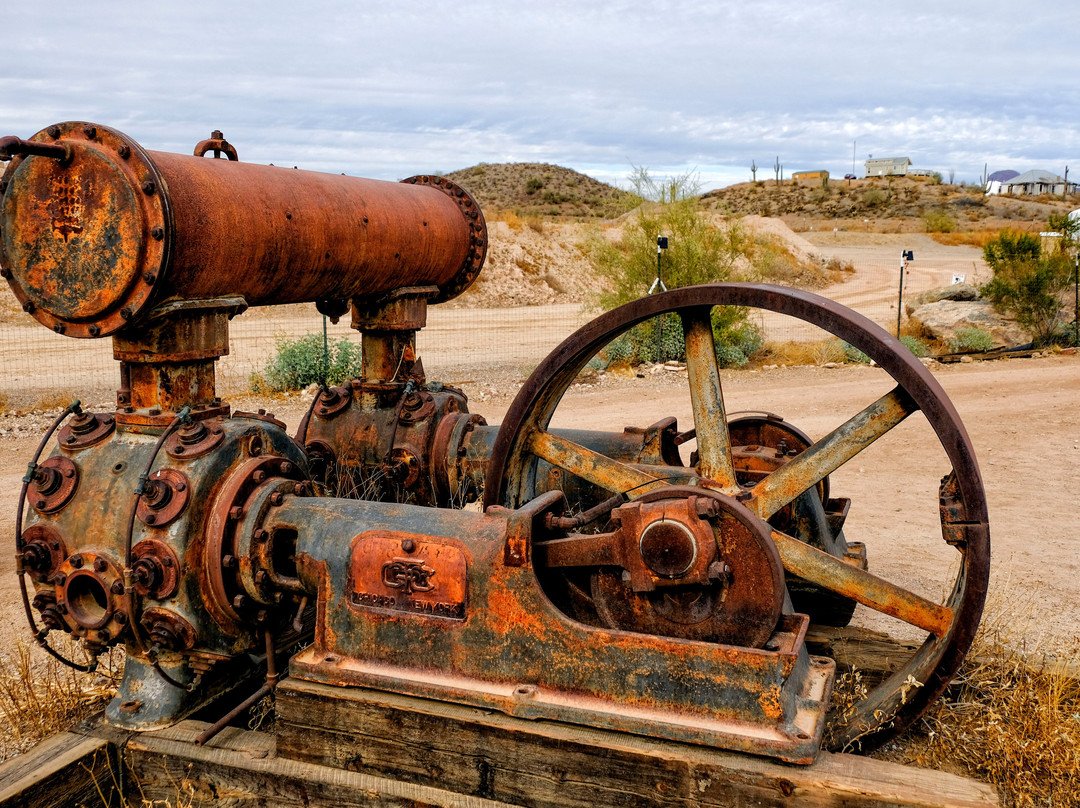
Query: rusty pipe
x=93, y=244
x=11, y=147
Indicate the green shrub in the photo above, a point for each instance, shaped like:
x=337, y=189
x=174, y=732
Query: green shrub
x=873, y=196
x=736, y=340
x=533, y=185
x=938, y=221
x=302, y=361
x=970, y=340
x=1026, y=282
x=853, y=354
x=918, y=347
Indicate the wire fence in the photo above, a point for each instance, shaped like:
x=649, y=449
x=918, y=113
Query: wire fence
x=36, y=361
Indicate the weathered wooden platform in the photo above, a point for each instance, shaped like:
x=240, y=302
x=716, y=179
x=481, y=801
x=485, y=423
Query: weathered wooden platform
x=353, y=747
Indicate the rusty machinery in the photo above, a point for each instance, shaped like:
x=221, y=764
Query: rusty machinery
x=613, y=579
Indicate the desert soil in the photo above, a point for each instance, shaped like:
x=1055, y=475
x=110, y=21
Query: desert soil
x=1021, y=415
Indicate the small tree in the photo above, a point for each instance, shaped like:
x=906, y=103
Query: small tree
x=1027, y=282
x=753, y=171
x=699, y=251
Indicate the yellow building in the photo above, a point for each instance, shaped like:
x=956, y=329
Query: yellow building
x=810, y=175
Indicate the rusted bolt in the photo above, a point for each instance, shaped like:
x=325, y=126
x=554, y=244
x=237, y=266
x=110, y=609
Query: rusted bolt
x=125, y=313
x=120, y=617
x=235, y=512
x=90, y=131
x=124, y=151
x=262, y=577
x=166, y=562
x=76, y=561
x=94, y=330
x=157, y=232
x=28, y=306
x=259, y=535
x=149, y=277
x=53, y=131
x=277, y=498
x=259, y=476
x=62, y=608
x=261, y=615
x=39, y=504
x=117, y=588
x=286, y=467
x=229, y=562
x=178, y=450
x=54, y=545
x=240, y=602
x=408, y=545
x=100, y=564
x=150, y=519
x=148, y=187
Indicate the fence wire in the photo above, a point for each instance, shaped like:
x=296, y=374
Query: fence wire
x=36, y=361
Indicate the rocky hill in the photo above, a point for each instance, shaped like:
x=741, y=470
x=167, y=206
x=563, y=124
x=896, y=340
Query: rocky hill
x=540, y=189
x=886, y=204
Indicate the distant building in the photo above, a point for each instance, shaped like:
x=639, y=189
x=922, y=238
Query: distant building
x=810, y=175
x=994, y=181
x=887, y=166
x=921, y=172
x=1037, y=182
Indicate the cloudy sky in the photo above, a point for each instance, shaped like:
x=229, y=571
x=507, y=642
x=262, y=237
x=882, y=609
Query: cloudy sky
x=387, y=90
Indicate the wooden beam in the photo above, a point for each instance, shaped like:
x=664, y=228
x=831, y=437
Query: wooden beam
x=63, y=770
x=544, y=764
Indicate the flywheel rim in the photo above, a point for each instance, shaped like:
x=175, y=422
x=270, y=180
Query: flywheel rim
x=886, y=711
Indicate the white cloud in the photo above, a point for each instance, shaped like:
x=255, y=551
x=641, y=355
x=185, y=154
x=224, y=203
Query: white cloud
x=390, y=90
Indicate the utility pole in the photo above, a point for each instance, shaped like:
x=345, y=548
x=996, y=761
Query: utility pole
x=853, y=142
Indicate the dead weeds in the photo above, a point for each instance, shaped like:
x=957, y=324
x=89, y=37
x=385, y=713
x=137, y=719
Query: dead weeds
x=1011, y=718
x=40, y=696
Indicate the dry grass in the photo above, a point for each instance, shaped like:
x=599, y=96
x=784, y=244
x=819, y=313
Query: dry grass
x=40, y=696
x=973, y=238
x=1011, y=718
x=800, y=353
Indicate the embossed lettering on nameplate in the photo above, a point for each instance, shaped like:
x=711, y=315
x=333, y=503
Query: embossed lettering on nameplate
x=404, y=572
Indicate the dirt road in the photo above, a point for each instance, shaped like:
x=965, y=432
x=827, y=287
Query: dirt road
x=1023, y=417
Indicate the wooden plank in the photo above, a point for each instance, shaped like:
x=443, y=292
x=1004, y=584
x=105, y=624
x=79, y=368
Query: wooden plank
x=65, y=769
x=541, y=764
x=240, y=768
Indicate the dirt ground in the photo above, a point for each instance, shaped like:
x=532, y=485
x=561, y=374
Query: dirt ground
x=1022, y=416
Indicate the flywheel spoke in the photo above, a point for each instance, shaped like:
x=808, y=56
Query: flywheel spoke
x=577, y=550
x=827, y=455
x=592, y=466
x=830, y=572
x=707, y=401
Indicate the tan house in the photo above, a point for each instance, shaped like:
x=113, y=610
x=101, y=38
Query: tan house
x=887, y=166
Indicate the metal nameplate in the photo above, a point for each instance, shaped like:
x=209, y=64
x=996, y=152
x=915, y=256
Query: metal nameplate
x=405, y=572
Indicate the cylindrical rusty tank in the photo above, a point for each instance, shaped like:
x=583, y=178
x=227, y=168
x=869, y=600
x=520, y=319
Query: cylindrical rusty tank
x=96, y=231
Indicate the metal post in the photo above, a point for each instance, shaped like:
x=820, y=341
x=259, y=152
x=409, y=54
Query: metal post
x=1076, y=309
x=900, y=299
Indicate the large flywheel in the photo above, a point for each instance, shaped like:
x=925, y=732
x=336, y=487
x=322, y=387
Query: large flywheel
x=762, y=496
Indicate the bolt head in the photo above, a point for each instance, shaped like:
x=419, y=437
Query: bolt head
x=100, y=564
x=124, y=151
x=53, y=131
x=148, y=187
x=76, y=561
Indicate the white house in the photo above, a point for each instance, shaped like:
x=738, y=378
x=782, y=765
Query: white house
x=1037, y=182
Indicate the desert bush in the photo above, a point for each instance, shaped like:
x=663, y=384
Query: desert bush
x=873, y=196
x=970, y=340
x=736, y=340
x=533, y=185
x=938, y=221
x=1026, y=282
x=918, y=347
x=303, y=361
